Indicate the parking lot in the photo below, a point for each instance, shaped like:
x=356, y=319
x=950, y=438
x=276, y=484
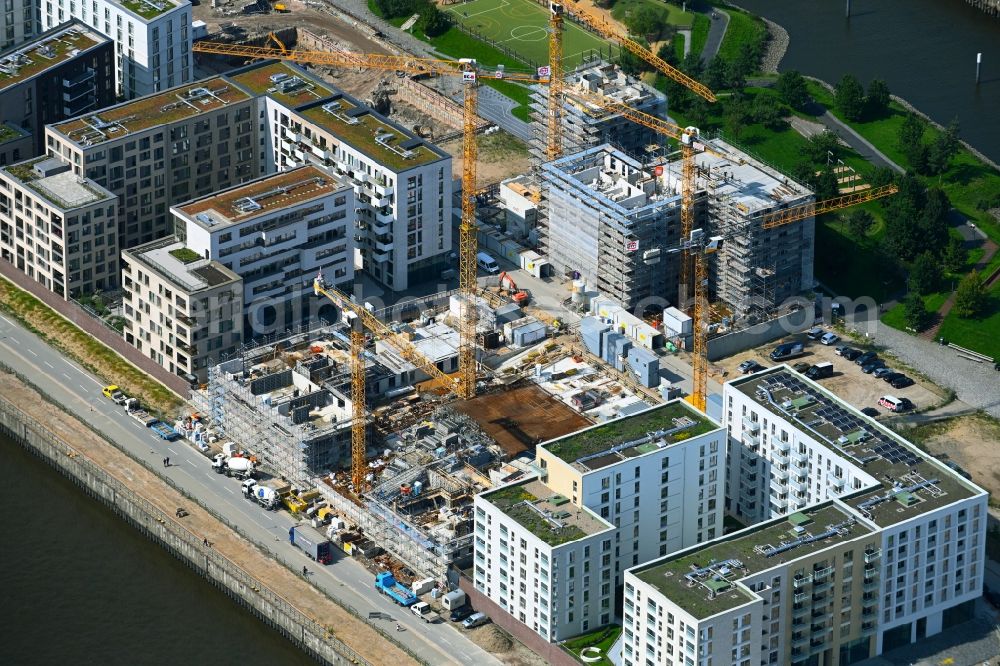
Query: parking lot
x=848, y=381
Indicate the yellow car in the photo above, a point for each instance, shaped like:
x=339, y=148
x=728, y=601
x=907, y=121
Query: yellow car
x=109, y=391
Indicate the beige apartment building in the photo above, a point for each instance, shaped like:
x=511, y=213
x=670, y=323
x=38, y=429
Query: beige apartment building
x=58, y=228
x=181, y=309
x=158, y=150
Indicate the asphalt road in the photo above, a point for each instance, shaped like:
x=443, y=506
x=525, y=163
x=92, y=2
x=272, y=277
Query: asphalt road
x=80, y=393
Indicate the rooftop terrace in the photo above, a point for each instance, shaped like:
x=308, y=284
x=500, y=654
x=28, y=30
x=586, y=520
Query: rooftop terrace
x=258, y=197
x=148, y=9
x=285, y=83
x=911, y=482
x=64, y=190
x=630, y=436
x=11, y=132
x=550, y=517
x=359, y=127
x=173, y=260
x=48, y=50
x=702, y=582
x=151, y=111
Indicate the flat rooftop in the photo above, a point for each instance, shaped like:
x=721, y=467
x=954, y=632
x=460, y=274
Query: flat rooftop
x=911, y=481
x=45, y=52
x=631, y=436
x=173, y=260
x=64, y=190
x=143, y=113
x=147, y=9
x=286, y=83
x=752, y=184
x=363, y=129
x=519, y=417
x=11, y=132
x=610, y=81
x=702, y=581
x=549, y=516
x=259, y=197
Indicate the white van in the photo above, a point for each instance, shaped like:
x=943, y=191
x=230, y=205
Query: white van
x=487, y=263
x=894, y=404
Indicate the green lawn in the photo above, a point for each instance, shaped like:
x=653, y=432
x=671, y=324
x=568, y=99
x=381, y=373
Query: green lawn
x=522, y=26
x=699, y=32
x=602, y=639
x=743, y=28
x=854, y=267
x=981, y=335
x=678, y=43
x=668, y=14
x=895, y=316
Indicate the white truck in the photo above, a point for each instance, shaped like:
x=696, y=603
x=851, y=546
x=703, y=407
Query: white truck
x=134, y=409
x=241, y=468
x=424, y=612
x=265, y=496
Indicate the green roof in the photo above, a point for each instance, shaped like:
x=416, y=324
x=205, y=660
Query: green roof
x=258, y=81
x=533, y=506
x=748, y=546
x=44, y=52
x=9, y=132
x=147, y=9
x=674, y=422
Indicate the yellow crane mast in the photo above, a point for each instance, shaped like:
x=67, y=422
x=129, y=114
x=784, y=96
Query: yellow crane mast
x=468, y=244
x=554, y=130
x=358, y=414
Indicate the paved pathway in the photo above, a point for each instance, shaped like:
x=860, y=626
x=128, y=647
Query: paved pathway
x=716, y=32
x=989, y=249
x=861, y=145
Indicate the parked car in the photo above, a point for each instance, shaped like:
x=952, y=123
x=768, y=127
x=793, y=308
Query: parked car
x=747, y=364
x=460, y=614
x=830, y=339
x=751, y=367
x=882, y=372
x=890, y=376
x=870, y=411
x=801, y=367
x=850, y=353
x=901, y=382
x=815, y=333
x=872, y=365
x=475, y=620
x=866, y=357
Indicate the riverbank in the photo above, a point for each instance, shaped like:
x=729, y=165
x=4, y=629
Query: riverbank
x=313, y=622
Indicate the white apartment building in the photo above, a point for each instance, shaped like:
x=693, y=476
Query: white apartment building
x=181, y=309
x=163, y=149
x=878, y=547
x=654, y=483
x=152, y=37
x=403, y=184
x=58, y=228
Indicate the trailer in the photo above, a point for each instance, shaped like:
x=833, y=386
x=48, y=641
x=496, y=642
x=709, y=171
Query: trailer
x=312, y=543
x=387, y=584
x=164, y=431
x=134, y=409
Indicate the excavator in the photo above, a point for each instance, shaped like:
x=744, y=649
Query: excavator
x=519, y=296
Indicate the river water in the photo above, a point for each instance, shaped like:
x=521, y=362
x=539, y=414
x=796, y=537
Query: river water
x=924, y=49
x=80, y=586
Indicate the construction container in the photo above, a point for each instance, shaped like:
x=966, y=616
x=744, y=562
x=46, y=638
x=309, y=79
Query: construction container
x=676, y=323
x=533, y=262
x=621, y=349
x=507, y=313
x=592, y=331
x=528, y=334
x=423, y=586
x=611, y=342
x=646, y=366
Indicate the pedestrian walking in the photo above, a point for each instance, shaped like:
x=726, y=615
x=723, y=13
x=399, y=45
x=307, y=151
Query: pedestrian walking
x=164, y=462
x=205, y=542
x=167, y=461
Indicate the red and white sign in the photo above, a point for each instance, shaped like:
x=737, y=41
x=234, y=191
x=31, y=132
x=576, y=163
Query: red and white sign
x=631, y=246
x=498, y=74
x=469, y=77
x=544, y=71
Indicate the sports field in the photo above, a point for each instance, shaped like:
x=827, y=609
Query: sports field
x=521, y=25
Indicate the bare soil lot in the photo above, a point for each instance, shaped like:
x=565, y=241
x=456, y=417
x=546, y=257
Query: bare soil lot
x=971, y=441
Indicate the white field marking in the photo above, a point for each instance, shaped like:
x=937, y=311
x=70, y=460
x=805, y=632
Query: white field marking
x=462, y=14
x=33, y=352
x=50, y=366
x=14, y=340
x=65, y=375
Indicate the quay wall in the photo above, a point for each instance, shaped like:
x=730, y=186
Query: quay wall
x=164, y=530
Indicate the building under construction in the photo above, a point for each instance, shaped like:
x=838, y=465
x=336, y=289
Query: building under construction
x=586, y=126
x=614, y=221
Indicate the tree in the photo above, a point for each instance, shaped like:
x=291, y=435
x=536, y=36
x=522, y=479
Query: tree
x=644, y=21
x=691, y=65
x=767, y=112
x=717, y=73
x=911, y=140
x=970, y=298
x=434, y=22
x=877, y=99
x=943, y=148
x=925, y=274
x=825, y=185
x=914, y=312
x=849, y=97
x=859, y=222
x=630, y=63
x=746, y=61
x=822, y=148
x=792, y=88
x=955, y=255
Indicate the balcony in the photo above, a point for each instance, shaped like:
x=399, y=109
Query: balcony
x=752, y=427
x=380, y=257
x=822, y=573
x=749, y=464
x=184, y=319
x=867, y=628
x=873, y=556
x=798, y=486
x=384, y=246
x=835, y=483
x=782, y=447
x=778, y=487
x=800, y=611
x=870, y=585
x=802, y=582
x=781, y=504
x=751, y=441
x=779, y=458
x=799, y=459
x=190, y=349
x=800, y=640
x=780, y=474
x=800, y=597
x=748, y=493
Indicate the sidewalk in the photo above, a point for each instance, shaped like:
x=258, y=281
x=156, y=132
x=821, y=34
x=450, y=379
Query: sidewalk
x=716, y=33
x=861, y=145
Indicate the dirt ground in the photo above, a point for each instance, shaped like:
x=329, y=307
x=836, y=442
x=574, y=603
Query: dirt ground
x=539, y=417
x=352, y=631
x=847, y=382
x=501, y=156
x=971, y=441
